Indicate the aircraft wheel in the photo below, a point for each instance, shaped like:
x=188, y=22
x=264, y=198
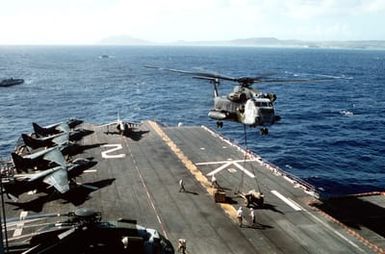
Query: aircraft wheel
x=219, y=124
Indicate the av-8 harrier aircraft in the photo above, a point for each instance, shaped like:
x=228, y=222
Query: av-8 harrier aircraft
x=124, y=128
x=57, y=177
x=55, y=128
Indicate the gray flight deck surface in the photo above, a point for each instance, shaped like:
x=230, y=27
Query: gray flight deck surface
x=138, y=179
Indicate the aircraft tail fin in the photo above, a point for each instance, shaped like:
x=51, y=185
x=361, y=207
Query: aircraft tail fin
x=35, y=205
x=20, y=162
x=32, y=142
x=12, y=191
x=39, y=131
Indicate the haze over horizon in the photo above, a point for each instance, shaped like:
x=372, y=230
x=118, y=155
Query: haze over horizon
x=84, y=22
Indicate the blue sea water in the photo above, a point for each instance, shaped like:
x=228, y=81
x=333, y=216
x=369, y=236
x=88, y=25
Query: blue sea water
x=332, y=134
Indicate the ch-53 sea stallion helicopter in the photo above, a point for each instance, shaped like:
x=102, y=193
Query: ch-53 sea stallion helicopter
x=244, y=104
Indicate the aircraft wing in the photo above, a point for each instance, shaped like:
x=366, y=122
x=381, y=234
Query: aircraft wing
x=56, y=156
x=39, y=153
x=109, y=124
x=59, y=180
x=64, y=127
x=61, y=139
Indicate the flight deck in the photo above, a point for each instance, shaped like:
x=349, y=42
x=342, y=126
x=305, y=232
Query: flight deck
x=138, y=178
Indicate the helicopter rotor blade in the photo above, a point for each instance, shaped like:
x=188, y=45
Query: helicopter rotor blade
x=37, y=216
x=199, y=74
x=245, y=81
x=206, y=78
x=278, y=81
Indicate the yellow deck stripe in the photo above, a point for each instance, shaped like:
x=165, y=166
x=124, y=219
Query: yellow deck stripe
x=229, y=209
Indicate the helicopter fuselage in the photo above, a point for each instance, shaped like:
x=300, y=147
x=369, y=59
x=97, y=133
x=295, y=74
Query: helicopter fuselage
x=245, y=106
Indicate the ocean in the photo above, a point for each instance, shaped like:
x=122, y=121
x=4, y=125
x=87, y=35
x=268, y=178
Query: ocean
x=332, y=134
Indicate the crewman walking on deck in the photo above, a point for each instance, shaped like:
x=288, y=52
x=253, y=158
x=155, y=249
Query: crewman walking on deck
x=181, y=186
x=240, y=215
x=182, y=246
x=252, y=216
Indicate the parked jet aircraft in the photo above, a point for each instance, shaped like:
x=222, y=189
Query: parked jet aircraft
x=35, y=143
x=55, y=128
x=124, y=128
x=39, y=160
x=57, y=177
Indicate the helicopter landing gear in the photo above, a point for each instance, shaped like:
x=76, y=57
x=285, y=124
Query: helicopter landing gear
x=264, y=131
x=219, y=124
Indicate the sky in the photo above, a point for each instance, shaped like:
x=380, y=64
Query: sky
x=87, y=22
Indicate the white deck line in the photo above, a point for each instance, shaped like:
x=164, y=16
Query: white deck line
x=289, y=202
x=221, y=162
x=20, y=224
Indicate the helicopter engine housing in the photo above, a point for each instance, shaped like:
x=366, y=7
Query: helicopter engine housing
x=217, y=115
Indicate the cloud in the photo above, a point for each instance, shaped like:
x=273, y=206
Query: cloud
x=373, y=6
x=88, y=21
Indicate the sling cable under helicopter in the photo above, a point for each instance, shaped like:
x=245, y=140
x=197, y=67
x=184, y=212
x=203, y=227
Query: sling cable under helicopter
x=252, y=198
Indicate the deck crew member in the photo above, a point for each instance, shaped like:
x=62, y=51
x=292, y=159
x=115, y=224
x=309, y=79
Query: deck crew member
x=182, y=245
x=240, y=215
x=252, y=215
x=181, y=186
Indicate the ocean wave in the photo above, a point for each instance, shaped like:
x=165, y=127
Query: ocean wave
x=346, y=113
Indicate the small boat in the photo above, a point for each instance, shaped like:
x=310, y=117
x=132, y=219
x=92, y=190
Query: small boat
x=11, y=82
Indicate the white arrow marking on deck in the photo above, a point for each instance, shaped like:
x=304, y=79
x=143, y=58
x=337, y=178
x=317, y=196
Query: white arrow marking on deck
x=20, y=224
x=288, y=201
x=227, y=164
x=247, y=172
x=221, y=162
x=106, y=155
x=219, y=169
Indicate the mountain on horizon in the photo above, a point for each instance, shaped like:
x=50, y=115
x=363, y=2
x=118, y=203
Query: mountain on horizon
x=123, y=40
x=253, y=41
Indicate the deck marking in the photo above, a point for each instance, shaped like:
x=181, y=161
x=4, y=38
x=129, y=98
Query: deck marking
x=199, y=176
x=247, y=172
x=219, y=169
x=228, y=209
x=297, y=207
x=20, y=224
x=226, y=165
x=116, y=147
x=288, y=201
x=334, y=231
x=149, y=198
x=221, y=162
x=90, y=171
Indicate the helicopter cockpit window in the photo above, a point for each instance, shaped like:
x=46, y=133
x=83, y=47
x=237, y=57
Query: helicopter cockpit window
x=263, y=104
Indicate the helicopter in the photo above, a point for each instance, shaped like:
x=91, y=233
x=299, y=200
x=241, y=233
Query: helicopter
x=245, y=104
x=84, y=231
